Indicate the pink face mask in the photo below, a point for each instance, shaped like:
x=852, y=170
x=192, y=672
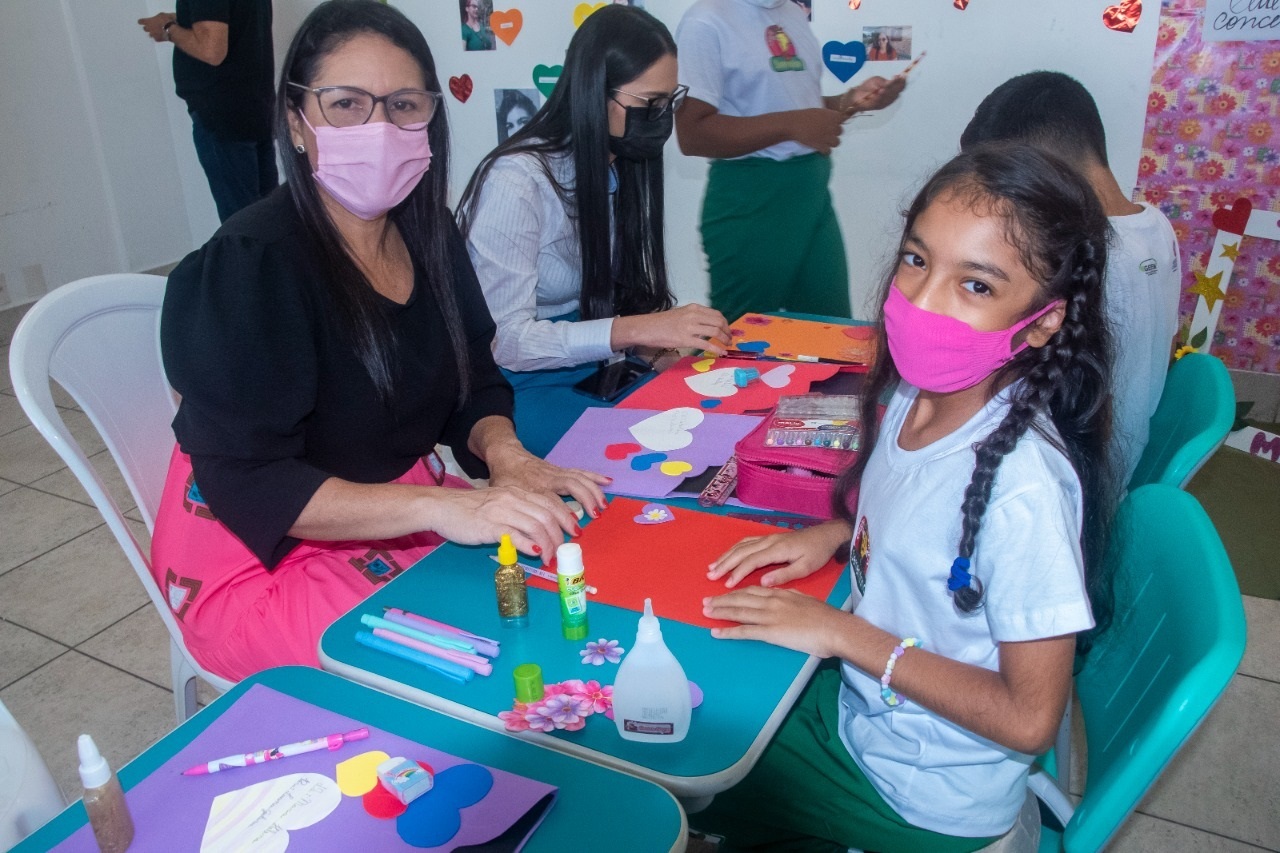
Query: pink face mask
x=370, y=168
x=938, y=353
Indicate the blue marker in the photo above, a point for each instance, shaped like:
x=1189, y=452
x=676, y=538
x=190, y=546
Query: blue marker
x=448, y=669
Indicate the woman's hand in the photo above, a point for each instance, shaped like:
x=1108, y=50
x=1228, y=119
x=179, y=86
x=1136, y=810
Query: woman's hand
x=536, y=521
x=782, y=617
x=687, y=327
x=517, y=467
x=799, y=554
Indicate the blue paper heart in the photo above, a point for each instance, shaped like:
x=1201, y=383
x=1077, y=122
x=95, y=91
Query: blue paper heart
x=436, y=816
x=752, y=346
x=645, y=461
x=843, y=59
x=708, y=404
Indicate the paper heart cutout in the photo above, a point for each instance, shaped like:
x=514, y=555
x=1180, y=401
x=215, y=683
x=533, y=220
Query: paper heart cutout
x=461, y=87
x=436, y=816
x=506, y=25
x=583, y=11
x=382, y=804
x=675, y=468
x=704, y=365
x=753, y=346
x=358, y=775
x=1123, y=16
x=708, y=404
x=779, y=377
x=843, y=59
x=545, y=77
x=859, y=333
x=258, y=818
x=961, y=4
x=713, y=383
x=855, y=5
x=621, y=450
x=1233, y=219
x=695, y=695
x=654, y=513
x=645, y=461
x=669, y=430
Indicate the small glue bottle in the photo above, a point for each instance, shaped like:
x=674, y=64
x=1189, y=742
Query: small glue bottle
x=573, y=591
x=104, y=800
x=513, y=595
x=651, y=700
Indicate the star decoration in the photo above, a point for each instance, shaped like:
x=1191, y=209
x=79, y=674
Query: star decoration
x=1209, y=287
x=1231, y=251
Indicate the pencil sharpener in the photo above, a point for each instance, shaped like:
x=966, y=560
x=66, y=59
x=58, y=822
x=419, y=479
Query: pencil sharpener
x=406, y=780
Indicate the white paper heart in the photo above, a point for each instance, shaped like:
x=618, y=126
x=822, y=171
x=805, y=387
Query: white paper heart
x=713, y=383
x=779, y=377
x=258, y=818
x=667, y=430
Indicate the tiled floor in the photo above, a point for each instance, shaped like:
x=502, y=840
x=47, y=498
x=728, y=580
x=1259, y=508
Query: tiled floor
x=82, y=651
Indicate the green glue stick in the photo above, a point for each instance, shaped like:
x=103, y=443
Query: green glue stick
x=573, y=591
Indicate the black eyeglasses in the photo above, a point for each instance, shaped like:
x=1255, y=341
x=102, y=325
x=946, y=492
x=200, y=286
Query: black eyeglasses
x=659, y=106
x=347, y=106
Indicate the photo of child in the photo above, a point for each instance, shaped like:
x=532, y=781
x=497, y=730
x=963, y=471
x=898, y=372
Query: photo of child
x=887, y=44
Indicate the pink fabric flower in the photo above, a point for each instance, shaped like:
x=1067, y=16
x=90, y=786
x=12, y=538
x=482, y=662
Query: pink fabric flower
x=600, y=651
x=598, y=698
x=562, y=710
x=539, y=718
x=514, y=720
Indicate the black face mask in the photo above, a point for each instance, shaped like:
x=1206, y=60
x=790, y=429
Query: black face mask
x=642, y=137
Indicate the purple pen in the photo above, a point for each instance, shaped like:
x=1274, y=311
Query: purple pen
x=483, y=645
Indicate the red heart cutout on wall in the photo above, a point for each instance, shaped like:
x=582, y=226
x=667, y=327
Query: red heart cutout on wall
x=1123, y=16
x=1233, y=219
x=461, y=87
x=961, y=4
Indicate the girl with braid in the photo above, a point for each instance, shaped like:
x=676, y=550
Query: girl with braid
x=977, y=513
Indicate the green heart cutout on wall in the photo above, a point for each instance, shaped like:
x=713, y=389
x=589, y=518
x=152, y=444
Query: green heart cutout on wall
x=545, y=77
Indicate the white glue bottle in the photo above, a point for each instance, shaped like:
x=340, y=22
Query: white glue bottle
x=104, y=800
x=651, y=693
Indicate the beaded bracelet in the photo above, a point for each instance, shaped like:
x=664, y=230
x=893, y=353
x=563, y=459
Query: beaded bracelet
x=890, y=698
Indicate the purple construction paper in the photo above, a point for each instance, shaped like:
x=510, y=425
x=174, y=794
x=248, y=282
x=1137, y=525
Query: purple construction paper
x=584, y=443
x=170, y=810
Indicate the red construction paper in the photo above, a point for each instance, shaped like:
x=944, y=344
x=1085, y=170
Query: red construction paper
x=790, y=337
x=670, y=391
x=629, y=562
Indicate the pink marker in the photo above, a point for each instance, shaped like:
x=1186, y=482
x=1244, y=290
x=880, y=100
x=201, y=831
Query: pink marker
x=264, y=755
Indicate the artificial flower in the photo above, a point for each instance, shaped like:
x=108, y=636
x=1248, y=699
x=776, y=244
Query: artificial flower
x=600, y=651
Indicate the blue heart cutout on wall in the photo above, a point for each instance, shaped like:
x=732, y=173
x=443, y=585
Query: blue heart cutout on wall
x=844, y=59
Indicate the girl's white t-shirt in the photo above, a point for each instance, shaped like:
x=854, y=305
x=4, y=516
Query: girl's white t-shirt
x=934, y=773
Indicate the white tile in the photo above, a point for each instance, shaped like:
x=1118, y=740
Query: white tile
x=1262, y=653
x=74, y=591
x=138, y=644
x=21, y=651
x=6, y=384
x=11, y=415
x=75, y=694
x=1145, y=834
x=25, y=456
x=64, y=482
x=6, y=487
x=32, y=523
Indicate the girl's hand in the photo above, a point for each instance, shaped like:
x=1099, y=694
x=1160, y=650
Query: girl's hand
x=782, y=617
x=687, y=327
x=537, y=522
x=799, y=554
x=875, y=93
x=818, y=127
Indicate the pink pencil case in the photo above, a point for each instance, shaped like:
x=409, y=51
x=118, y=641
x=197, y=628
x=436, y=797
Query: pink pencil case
x=788, y=479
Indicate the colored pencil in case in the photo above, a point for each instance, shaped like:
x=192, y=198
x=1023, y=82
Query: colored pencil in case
x=417, y=633
x=483, y=645
x=448, y=669
x=475, y=663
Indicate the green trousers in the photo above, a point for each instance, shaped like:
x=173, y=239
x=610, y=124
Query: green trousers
x=807, y=794
x=772, y=239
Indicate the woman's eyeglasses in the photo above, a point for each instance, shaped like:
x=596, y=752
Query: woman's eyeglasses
x=659, y=106
x=347, y=106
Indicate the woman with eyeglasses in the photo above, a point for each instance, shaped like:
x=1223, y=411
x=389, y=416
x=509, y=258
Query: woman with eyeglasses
x=563, y=222
x=323, y=342
x=476, y=34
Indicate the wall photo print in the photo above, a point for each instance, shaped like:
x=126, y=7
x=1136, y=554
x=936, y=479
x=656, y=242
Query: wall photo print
x=887, y=44
x=476, y=32
x=513, y=108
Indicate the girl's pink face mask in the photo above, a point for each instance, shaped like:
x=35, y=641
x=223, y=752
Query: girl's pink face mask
x=938, y=353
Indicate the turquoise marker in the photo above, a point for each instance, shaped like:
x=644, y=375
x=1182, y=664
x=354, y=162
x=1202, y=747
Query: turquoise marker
x=446, y=668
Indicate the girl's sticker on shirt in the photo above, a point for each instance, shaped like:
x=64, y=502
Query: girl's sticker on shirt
x=860, y=556
x=783, y=49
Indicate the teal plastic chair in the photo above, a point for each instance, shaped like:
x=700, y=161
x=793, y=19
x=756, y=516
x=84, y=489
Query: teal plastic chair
x=1195, y=413
x=1153, y=677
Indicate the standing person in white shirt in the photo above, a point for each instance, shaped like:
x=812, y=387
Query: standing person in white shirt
x=1057, y=114
x=564, y=225
x=756, y=108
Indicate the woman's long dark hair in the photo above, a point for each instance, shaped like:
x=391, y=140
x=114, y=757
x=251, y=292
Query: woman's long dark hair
x=614, y=46
x=423, y=218
x=1057, y=224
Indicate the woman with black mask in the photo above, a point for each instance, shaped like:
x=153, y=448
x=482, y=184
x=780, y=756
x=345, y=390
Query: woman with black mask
x=564, y=225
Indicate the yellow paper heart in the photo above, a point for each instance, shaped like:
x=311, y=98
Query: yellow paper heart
x=583, y=11
x=704, y=365
x=357, y=776
x=675, y=469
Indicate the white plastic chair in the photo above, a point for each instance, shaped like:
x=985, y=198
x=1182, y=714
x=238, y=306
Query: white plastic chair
x=29, y=797
x=99, y=338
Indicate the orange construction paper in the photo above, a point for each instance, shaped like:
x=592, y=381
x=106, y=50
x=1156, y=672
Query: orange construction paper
x=790, y=337
x=628, y=562
x=507, y=24
x=669, y=390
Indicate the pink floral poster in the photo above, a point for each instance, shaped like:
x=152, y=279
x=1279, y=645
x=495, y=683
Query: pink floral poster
x=1213, y=136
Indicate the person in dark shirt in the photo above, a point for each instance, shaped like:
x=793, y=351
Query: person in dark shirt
x=323, y=342
x=223, y=68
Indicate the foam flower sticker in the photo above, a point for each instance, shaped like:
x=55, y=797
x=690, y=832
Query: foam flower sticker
x=600, y=651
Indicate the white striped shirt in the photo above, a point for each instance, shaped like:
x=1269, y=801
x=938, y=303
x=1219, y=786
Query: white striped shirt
x=524, y=246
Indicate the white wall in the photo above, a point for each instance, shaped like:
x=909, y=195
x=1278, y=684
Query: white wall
x=99, y=174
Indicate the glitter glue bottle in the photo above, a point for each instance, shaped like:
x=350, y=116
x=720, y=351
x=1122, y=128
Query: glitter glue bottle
x=104, y=800
x=573, y=591
x=513, y=595
x=651, y=700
